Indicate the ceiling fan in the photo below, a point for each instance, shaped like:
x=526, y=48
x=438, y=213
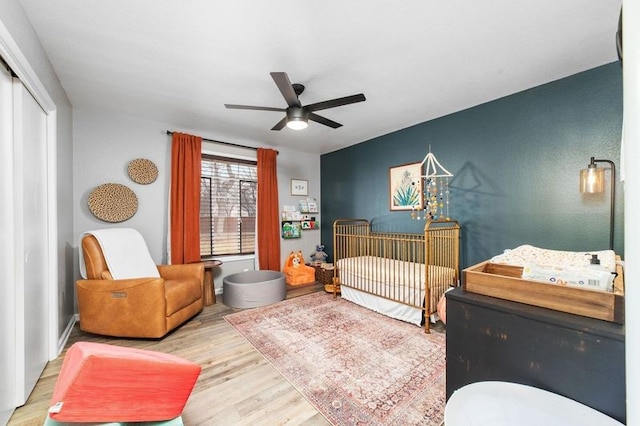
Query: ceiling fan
x=297, y=115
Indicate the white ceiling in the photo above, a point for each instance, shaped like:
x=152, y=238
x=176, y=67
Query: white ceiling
x=179, y=61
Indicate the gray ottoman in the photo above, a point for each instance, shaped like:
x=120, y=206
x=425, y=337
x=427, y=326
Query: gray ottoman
x=251, y=289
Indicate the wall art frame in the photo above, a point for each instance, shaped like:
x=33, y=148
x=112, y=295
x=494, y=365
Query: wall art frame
x=299, y=187
x=405, y=187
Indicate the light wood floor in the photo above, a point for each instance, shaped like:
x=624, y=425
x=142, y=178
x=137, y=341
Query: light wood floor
x=237, y=385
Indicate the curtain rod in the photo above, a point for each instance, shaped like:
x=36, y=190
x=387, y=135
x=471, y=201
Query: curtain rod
x=169, y=132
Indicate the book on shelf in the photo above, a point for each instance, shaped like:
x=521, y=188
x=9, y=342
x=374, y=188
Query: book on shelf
x=312, y=205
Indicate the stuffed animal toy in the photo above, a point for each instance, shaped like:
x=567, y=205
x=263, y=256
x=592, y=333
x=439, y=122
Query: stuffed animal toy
x=319, y=255
x=296, y=260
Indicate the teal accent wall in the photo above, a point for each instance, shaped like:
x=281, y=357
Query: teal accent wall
x=516, y=164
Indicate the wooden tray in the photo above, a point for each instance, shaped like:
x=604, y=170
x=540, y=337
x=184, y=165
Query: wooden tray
x=504, y=282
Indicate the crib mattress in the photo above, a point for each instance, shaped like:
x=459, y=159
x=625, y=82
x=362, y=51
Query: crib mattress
x=401, y=281
x=383, y=306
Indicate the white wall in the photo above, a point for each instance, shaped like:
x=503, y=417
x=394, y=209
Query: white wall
x=105, y=142
x=296, y=165
x=631, y=84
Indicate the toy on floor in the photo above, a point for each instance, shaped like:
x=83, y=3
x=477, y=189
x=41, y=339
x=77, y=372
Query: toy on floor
x=296, y=272
x=100, y=383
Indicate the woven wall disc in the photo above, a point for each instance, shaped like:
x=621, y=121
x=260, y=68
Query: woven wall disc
x=113, y=202
x=142, y=171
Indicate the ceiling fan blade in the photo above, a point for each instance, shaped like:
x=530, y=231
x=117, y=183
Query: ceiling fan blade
x=286, y=88
x=335, y=102
x=257, y=108
x=280, y=124
x=322, y=120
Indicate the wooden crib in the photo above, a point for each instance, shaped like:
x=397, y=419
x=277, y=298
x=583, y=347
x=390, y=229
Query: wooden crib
x=397, y=274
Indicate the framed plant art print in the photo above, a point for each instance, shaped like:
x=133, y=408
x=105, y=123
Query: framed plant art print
x=405, y=187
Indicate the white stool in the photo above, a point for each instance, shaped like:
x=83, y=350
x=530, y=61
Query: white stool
x=503, y=403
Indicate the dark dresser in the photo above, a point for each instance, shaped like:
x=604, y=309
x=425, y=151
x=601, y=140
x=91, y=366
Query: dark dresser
x=578, y=357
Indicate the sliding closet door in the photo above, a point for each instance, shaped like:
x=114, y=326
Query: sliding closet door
x=31, y=242
x=7, y=276
x=24, y=244
x=29, y=332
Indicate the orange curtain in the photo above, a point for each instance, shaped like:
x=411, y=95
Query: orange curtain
x=268, y=211
x=186, y=155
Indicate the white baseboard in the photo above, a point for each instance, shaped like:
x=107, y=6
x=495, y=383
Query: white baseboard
x=6, y=415
x=62, y=341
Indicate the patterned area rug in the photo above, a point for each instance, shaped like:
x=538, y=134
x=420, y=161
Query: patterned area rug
x=355, y=366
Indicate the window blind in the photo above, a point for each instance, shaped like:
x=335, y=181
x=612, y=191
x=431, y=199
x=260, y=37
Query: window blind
x=227, y=206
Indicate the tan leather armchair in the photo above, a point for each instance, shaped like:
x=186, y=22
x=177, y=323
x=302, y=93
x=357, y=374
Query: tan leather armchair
x=140, y=307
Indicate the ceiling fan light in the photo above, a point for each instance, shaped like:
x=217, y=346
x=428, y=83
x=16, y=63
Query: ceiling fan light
x=297, y=124
x=297, y=119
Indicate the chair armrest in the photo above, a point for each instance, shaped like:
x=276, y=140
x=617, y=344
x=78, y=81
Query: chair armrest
x=187, y=270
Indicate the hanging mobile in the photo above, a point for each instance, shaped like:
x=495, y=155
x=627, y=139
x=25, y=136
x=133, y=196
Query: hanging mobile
x=436, y=189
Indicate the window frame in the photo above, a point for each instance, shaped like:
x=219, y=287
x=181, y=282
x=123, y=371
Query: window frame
x=241, y=251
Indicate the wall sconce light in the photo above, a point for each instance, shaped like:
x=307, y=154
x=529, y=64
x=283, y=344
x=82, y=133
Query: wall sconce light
x=592, y=182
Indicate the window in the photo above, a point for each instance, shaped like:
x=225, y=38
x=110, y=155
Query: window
x=227, y=206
